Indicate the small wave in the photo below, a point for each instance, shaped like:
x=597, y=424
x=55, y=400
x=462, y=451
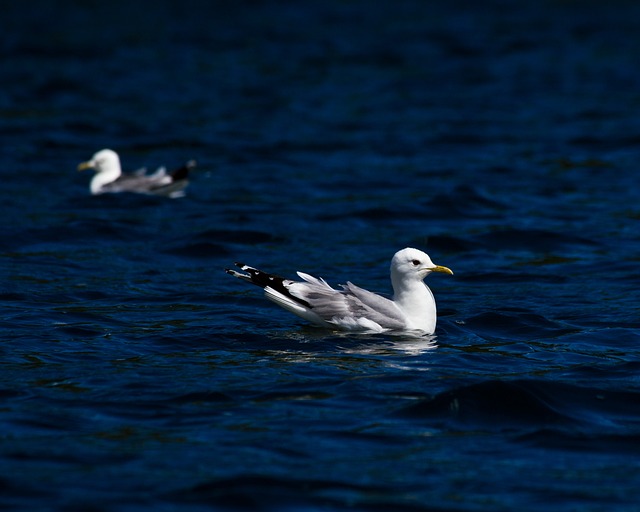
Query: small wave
x=538, y=240
x=623, y=444
x=464, y=202
x=516, y=324
x=500, y=405
x=197, y=250
x=494, y=405
x=259, y=492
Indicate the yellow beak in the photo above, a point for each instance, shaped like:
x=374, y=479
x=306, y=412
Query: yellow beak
x=85, y=165
x=444, y=270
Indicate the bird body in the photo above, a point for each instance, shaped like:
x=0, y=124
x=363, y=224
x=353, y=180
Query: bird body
x=353, y=308
x=109, y=177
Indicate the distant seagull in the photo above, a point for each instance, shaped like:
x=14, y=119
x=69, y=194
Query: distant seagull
x=110, y=179
x=412, y=308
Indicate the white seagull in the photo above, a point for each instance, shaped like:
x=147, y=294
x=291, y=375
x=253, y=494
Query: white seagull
x=412, y=307
x=110, y=179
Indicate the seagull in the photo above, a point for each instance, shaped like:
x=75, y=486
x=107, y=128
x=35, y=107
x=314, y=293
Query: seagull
x=352, y=308
x=109, y=177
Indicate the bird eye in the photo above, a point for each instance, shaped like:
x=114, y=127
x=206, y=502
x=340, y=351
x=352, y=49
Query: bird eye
x=415, y=263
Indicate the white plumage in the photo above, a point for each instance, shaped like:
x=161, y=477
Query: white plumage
x=109, y=177
x=353, y=308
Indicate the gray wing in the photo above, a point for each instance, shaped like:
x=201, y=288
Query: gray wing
x=325, y=301
x=348, y=307
x=157, y=184
x=136, y=183
x=375, y=307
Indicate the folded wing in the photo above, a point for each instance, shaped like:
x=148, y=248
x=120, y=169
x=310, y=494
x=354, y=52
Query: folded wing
x=351, y=308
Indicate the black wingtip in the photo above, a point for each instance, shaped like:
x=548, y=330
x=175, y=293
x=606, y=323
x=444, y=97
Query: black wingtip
x=182, y=173
x=262, y=279
x=239, y=275
x=233, y=272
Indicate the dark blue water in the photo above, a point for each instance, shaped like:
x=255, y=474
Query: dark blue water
x=503, y=139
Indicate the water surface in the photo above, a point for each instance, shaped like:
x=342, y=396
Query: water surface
x=502, y=139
